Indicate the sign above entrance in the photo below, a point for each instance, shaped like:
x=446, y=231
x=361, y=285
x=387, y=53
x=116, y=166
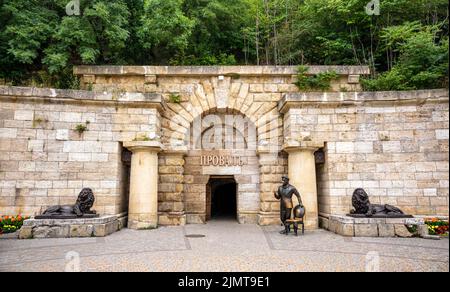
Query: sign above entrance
x=221, y=160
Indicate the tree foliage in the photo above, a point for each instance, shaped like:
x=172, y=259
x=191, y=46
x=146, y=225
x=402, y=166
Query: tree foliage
x=164, y=30
x=406, y=46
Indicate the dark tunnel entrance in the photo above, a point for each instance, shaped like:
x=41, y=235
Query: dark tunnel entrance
x=221, y=200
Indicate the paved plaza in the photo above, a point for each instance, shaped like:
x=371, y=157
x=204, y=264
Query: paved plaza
x=227, y=246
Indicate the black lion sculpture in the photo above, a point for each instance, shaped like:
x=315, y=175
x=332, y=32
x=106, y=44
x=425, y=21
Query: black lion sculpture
x=82, y=207
x=362, y=205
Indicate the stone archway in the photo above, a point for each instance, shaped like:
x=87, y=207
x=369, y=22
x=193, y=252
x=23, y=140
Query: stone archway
x=221, y=143
x=219, y=95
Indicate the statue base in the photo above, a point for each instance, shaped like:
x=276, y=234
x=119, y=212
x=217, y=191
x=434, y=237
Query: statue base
x=380, y=216
x=64, y=217
x=67, y=228
x=363, y=226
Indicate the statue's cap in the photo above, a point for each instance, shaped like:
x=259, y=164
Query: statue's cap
x=285, y=177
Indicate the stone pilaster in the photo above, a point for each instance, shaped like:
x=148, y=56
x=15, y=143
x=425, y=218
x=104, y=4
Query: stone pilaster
x=272, y=168
x=171, y=182
x=143, y=202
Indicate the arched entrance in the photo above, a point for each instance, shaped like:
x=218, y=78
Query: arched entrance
x=221, y=170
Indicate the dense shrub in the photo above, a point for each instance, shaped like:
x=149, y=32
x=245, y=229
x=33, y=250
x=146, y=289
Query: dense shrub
x=422, y=64
x=407, y=44
x=317, y=82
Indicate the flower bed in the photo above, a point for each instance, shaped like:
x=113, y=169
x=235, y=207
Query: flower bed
x=437, y=226
x=10, y=224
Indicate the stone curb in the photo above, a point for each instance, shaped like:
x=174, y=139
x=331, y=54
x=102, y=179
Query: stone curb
x=417, y=96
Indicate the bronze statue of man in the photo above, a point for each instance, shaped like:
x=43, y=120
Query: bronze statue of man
x=284, y=194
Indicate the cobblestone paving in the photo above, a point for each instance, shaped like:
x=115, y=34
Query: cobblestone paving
x=227, y=246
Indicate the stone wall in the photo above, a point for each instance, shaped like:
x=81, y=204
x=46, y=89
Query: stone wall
x=393, y=144
x=252, y=91
x=44, y=161
x=164, y=78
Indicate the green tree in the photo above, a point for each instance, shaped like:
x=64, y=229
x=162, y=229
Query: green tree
x=422, y=63
x=25, y=29
x=405, y=46
x=164, y=30
x=38, y=35
x=99, y=35
x=217, y=32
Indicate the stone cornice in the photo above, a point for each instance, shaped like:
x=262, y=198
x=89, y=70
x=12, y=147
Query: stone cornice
x=293, y=146
x=357, y=98
x=153, y=100
x=147, y=146
x=215, y=70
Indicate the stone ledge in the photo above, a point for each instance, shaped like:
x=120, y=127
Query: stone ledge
x=415, y=96
x=215, y=70
x=292, y=145
x=50, y=222
x=144, y=146
x=352, y=220
x=68, y=228
x=83, y=96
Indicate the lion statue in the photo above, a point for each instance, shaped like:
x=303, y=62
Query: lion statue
x=83, y=206
x=362, y=205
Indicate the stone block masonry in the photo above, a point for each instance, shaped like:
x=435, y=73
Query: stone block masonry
x=389, y=143
x=393, y=144
x=45, y=161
